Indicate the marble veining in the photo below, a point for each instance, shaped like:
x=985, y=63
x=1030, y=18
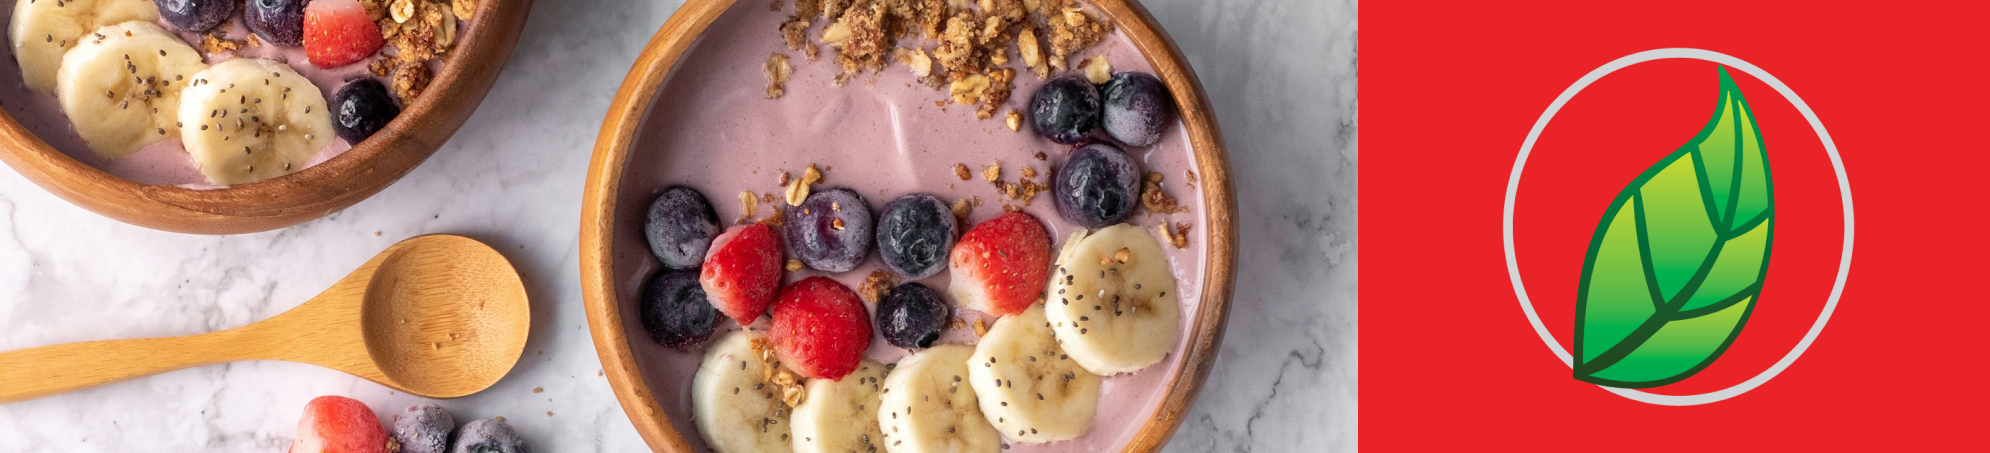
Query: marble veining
x=1281, y=73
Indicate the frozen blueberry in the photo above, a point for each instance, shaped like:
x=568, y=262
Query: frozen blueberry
x=830, y=231
x=1138, y=107
x=1098, y=186
x=1065, y=109
x=913, y=316
x=363, y=108
x=195, y=15
x=681, y=227
x=914, y=235
x=424, y=428
x=675, y=311
x=279, y=22
x=488, y=436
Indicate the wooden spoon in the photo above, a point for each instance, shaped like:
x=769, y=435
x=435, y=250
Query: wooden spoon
x=435, y=316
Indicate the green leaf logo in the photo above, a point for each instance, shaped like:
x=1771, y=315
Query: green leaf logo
x=1676, y=264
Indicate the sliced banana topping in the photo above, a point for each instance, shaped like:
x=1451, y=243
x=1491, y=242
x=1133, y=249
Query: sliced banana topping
x=246, y=120
x=1112, y=300
x=840, y=416
x=42, y=31
x=121, y=86
x=735, y=408
x=1032, y=391
x=928, y=406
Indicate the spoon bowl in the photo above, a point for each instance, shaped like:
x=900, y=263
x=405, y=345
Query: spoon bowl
x=435, y=316
x=438, y=343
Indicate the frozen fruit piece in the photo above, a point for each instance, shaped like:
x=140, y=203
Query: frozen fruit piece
x=195, y=15
x=681, y=226
x=1098, y=185
x=338, y=33
x=820, y=328
x=1065, y=109
x=279, y=22
x=675, y=312
x=424, y=428
x=488, y=436
x=1137, y=108
x=336, y=424
x=743, y=272
x=913, y=316
x=361, y=108
x=914, y=235
x=1001, y=266
x=830, y=230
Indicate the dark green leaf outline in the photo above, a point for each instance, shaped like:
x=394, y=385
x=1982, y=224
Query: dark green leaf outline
x=1669, y=309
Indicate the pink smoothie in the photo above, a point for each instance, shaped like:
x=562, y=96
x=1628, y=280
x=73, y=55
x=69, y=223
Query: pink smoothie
x=165, y=162
x=883, y=136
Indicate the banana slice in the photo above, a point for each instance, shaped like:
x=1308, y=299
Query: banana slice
x=246, y=120
x=1034, y=391
x=927, y=406
x=43, y=30
x=1112, y=300
x=840, y=416
x=735, y=409
x=121, y=86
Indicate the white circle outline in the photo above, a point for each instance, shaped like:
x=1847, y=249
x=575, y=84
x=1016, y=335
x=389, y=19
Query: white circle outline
x=1844, y=194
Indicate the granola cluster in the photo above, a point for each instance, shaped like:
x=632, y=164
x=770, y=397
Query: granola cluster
x=966, y=45
x=420, y=31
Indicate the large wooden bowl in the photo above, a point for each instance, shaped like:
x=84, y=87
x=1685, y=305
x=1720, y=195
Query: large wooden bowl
x=600, y=216
x=371, y=165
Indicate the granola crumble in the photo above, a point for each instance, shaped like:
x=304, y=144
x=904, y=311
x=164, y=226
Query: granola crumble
x=876, y=286
x=777, y=71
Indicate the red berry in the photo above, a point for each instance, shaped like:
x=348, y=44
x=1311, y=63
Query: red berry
x=820, y=328
x=743, y=271
x=1000, y=267
x=338, y=33
x=336, y=424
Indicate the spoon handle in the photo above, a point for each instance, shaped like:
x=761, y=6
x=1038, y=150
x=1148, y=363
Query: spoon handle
x=37, y=372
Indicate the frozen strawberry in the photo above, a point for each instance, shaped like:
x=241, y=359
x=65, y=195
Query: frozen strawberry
x=336, y=424
x=1000, y=267
x=820, y=328
x=743, y=271
x=338, y=33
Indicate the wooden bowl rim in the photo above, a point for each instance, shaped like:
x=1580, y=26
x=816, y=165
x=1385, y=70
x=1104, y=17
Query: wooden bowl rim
x=647, y=77
x=307, y=194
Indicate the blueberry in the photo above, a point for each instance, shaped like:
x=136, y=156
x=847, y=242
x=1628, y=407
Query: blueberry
x=1138, y=108
x=488, y=436
x=279, y=22
x=1098, y=186
x=363, y=108
x=681, y=227
x=195, y=15
x=913, y=316
x=424, y=428
x=1065, y=109
x=914, y=235
x=675, y=311
x=830, y=231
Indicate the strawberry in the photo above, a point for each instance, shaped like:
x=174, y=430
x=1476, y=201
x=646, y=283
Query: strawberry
x=820, y=328
x=336, y=424
x=743, y=271
x=1000, y=267
x=338, y=33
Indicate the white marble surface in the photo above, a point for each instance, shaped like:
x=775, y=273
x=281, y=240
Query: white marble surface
x=1281, y=73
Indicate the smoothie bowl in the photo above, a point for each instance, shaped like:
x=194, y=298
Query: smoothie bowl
x=908, y=226
x=235, y=116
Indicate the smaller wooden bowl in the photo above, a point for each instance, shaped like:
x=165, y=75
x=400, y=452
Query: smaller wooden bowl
x=370, y=166
x=605, y=219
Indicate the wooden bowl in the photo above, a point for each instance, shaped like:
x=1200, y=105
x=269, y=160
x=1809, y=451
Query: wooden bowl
x=371, y=165
x=606, y=223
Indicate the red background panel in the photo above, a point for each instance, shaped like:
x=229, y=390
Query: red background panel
x=1449, y=93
